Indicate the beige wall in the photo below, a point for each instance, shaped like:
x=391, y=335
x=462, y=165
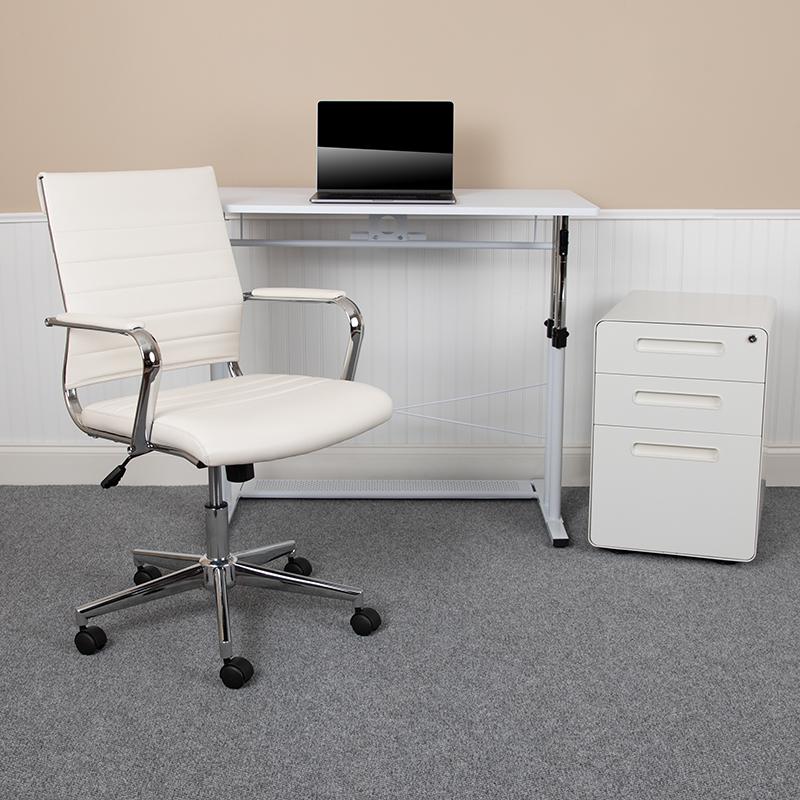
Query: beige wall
x=670, y=104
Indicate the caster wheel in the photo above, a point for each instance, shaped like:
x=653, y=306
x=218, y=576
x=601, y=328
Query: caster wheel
x=146, y=573
x=365, y=621
x=235, y=672
x=298, y=566
x=90, y=639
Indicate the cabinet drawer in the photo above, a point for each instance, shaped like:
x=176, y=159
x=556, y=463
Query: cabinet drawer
x=674, y=492
x=683, y=404
x=681, y=351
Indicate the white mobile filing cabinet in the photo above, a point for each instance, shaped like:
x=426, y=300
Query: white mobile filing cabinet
x=677, y=430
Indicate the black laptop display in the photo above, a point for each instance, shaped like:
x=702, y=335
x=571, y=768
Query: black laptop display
x=384, y=152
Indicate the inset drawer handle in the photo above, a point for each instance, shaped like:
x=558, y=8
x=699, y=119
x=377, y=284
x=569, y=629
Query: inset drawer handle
x=709, y=402
x=677, y=451
x=682, y=347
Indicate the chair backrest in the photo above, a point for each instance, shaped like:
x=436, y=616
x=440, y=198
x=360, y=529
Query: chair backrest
x=147, y=246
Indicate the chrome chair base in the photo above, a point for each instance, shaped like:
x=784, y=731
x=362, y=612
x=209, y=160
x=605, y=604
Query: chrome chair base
x=217, y=571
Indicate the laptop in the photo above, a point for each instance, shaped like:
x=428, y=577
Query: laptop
x=384, y=152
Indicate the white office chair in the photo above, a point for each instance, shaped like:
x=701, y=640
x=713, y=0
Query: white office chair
x=149, y=283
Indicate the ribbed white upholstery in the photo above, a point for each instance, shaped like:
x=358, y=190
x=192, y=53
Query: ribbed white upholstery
x=251, y=418
x=149, y=246
x=151, y=249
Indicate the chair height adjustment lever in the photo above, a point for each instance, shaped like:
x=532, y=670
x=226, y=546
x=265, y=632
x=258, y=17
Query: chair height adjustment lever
x=116, y=474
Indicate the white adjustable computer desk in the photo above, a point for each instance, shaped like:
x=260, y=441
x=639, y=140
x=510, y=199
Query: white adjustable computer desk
x=557, y=204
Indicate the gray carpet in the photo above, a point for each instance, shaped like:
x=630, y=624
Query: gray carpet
x=504, y=668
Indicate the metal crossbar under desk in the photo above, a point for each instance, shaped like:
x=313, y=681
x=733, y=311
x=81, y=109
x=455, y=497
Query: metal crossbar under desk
x=388, y=226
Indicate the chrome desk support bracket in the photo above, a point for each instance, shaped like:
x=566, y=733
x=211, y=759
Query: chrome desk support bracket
x=388, y=228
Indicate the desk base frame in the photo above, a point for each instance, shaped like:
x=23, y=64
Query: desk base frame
x=277, y=489
x=550, y=495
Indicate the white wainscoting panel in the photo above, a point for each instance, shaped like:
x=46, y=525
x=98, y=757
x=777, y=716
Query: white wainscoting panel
x=440, y=324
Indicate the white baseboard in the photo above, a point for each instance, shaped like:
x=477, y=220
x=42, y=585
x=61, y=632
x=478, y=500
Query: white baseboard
x=782, y=466
x=75, y=464
x=80, y=464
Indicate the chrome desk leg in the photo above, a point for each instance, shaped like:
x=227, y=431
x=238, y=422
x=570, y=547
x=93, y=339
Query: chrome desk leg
x=550, y=499
x=252, y=575
x=261, y=555
x=157, y=558
x=181, y=581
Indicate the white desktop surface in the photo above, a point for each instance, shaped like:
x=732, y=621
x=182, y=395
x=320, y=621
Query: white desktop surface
x=469, y=202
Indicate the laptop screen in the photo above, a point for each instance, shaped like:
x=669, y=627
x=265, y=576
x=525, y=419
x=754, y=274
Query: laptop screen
x=384, y=146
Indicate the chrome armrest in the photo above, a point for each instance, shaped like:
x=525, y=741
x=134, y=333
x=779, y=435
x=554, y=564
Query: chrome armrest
x=151, y=366
x=355, y=319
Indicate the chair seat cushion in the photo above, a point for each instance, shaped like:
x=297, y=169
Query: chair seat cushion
x=251, y=418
